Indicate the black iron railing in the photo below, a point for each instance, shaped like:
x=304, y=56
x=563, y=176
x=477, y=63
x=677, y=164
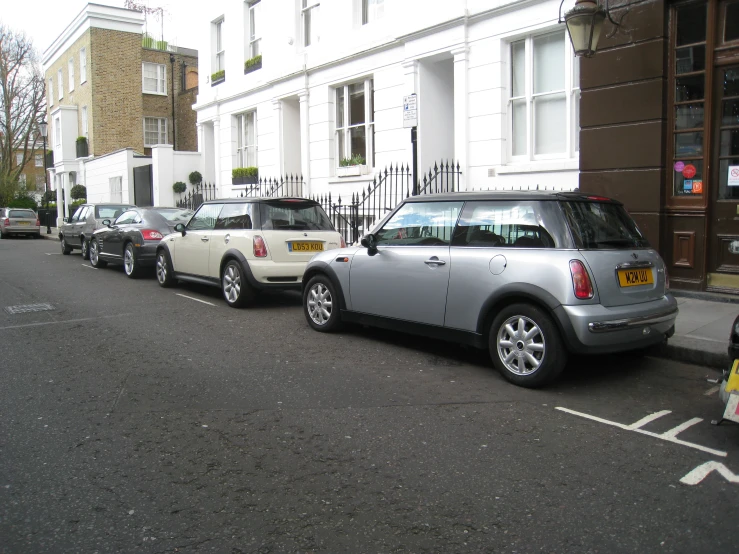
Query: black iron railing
x=197, y=195
x=271, y=187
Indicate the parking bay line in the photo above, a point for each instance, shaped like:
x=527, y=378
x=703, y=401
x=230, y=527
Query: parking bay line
x=89, y=266
x=669, y=436
x=196, y=299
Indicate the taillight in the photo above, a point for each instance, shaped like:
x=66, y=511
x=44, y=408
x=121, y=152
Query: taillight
x=260, y=249
x=343, y=242
x=581, y=280
x=151, y=234
x=6, y=222
x=38, y=222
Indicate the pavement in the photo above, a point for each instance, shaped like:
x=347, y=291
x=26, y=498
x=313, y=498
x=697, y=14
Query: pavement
x=701, y=330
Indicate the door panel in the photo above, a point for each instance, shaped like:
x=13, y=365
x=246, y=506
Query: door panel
x=193, y=249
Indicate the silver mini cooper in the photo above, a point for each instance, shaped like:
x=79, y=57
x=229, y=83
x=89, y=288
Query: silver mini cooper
x=531, y=276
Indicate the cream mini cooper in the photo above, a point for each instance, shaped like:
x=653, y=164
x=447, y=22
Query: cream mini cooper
x=246, y=245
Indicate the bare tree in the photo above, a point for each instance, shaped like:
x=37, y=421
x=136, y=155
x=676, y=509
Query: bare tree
x=22, y=104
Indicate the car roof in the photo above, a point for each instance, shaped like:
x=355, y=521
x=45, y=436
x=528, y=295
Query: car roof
x=110, y=204
x=508, y=195
x=258, y=199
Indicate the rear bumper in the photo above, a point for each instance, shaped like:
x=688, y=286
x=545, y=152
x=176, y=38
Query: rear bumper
x=593, y=328
x=281, y=275
x=21, y=230
x=146, y=254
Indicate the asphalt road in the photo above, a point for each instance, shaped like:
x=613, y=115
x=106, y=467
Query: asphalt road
x=136, y=419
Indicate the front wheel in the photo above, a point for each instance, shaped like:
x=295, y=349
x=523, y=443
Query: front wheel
x=85, y=249
x=526, y=347
x=95, y=260
x=165, y=276
x=321, y=305
x=236, y=291
x=66, y=249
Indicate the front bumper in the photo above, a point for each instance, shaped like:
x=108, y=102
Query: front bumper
x=594, y=328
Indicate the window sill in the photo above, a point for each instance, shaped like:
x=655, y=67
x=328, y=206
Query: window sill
x=154, y=93
x=570, y=164
x=368, y=178
x=218, y=82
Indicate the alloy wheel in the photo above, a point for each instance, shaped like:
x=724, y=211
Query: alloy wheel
x=93, y=253
x=232, y=283
x=320, y=304
x=128, y=261
x=85, y=249
x=161, y=268
x=521, y=345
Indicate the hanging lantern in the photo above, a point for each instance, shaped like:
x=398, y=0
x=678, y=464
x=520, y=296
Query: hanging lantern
x=585, y=23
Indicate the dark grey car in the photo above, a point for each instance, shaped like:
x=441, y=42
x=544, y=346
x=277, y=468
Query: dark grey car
x=531, y=276
x=76, y=230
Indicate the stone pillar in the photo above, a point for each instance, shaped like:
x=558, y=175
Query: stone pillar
x=461, y=121
x=410, y=86
x=277, y=107
x=58, y=184
x=217, y=155
x=67, y=194
x=305, y=140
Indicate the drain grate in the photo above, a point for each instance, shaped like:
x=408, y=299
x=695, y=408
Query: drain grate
x=28, y=308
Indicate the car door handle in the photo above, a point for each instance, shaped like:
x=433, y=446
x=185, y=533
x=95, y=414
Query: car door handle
x=227, y=238
x=435, y=261
x=204, y=239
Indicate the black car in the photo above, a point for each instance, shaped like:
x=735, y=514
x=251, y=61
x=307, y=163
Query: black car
x=133, y=237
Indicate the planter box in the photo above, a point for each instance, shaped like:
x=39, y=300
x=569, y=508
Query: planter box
x=253, y=67
x=82, y=151
x=351, y=171
x=251, y=180
x=238, y=180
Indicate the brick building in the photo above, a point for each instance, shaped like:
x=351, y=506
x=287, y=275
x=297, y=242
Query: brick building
x=111, y=83
x=32, y=178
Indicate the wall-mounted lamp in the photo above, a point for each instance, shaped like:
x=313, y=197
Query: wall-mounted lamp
x=585, y=24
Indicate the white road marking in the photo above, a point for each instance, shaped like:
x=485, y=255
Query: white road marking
x=196, y=299
x=89, y=267
x=53, y=253
x=648, y=419
x=672, y=433
x=665, y=436
x=697, y=475
x=712, y=390
x=63, y=321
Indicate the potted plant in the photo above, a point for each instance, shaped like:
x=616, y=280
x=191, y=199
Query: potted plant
x=82, y=150
x=252, y=64
x=78, y=192
x=350, y=167
x=195, y=179
x=244, y=176
x=217, y=77
x=179, y=187
x=147, y=41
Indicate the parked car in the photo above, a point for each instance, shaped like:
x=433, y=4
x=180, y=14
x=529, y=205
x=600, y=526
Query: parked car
x=76, y=230
x=132, y=238
x=246, y=245
x=19, y=221
x=530, y=276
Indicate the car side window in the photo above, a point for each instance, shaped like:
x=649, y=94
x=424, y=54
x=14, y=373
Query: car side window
x=236, y=216
x=420, y=224
x=502, y=224
x=126, y=217
x=205, y=218
x=76, y=215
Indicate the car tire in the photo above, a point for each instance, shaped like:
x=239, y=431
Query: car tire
x=525, y=346
x=85, y=248
x=321, y=305
x=66, y=249
x=94, y=252
x=164, y=271
x=236, y=290
x=130, y=262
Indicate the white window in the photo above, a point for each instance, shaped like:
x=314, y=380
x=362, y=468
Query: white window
x=71, y=74
x=255, y=13
x=155, y=131
x=57, y=132
x=155, y=78
x=83, y=65
x=544, y=98
x=40, y=181
x=38, y=160
x=219, y=63
x=60, y=83
x=309, y=14
x=115, y=185
x=51, y=92
x=372, y=10
x=246, y=140
x=355, y=124
x=18, y=159
x=83, y=120
x=22, y=179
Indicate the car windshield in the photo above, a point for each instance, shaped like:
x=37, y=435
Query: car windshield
x=22, y=213
x=294, y=215
x=110, y=212
x=175, y=215
x=602, y=225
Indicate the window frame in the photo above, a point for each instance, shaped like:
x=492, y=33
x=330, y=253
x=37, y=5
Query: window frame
x=38, y=160
x=159, y=131
x=18, y=159
x=83, y=120
x=365, y=5
x=51, y=91
x=307, y=18
x=254, y=38
x=57, y=132
x=161, y=78
x=369, y=122
x=571, y=92
x=219, y=50
x=70, y=73
x=83, y=65
x=60, y=82
x=242, y=145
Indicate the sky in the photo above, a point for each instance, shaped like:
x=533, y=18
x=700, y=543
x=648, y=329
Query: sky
x=44, y=20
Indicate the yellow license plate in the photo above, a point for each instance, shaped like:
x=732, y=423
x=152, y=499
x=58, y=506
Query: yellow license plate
x=635, y=277
x=305, y=246
x=24, y=223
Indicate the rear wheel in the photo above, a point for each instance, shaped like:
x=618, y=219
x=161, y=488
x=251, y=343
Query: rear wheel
x=66, y=249
x=236, y=291
x=95, y=260
x=525, y=346
x=165, y=276
x=130, y=263
x=85, y=249
x=321, y=305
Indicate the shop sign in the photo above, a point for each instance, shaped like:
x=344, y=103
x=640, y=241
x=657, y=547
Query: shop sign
x=689, y=171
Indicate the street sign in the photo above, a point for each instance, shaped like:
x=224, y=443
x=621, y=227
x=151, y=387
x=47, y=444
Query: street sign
x=733, y=176
x=410, y=112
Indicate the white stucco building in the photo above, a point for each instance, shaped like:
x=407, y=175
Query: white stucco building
x=495, y=82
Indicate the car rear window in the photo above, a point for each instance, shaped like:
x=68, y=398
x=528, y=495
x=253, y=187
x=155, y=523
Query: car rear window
x=602, y=226
x=22, y=213
x=175, y=215
x=294, y=215
x=110, y=212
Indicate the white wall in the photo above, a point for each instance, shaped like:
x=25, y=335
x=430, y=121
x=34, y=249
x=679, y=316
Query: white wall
x=291, y=137
x=98, y=172
x=169, y=167
x=436, y=112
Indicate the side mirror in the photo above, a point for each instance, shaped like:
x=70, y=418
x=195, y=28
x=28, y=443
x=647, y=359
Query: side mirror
x=106, y=222
x=370, y=243
x=180, y=228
